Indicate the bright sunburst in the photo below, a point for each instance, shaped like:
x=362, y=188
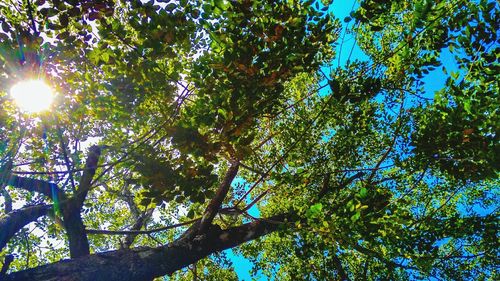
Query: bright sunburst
x=32, y=95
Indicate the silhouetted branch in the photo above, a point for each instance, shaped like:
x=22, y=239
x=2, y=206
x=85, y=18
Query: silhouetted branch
x=149, y=231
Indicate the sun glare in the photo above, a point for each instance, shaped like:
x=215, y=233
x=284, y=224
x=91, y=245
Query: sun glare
x=32, y=95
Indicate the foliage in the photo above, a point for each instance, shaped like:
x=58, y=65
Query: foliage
x=383, y=177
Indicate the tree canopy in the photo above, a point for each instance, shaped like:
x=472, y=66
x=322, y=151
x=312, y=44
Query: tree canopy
x=185, y=128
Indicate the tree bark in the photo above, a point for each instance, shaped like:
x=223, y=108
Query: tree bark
x=146, y=263
x=88, y=174
x=46, y=188
x=75, y=230
x=216, y=202
x=17, y=219
x=73, y=223
x=70, y=208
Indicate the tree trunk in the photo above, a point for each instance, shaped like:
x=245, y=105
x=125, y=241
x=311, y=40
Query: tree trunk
x=146, y=263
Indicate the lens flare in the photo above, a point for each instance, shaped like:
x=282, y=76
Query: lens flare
x=32, y=96
x=55, y=199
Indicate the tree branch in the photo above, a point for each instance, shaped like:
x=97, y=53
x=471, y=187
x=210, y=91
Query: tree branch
x=70, y=208
x=146, y=263
x=140, y=222
x=7, y=261
x=140, y=219
x=214, y=205
x=72, y=219
x=17, y=219
x=326, y=186
x=324, y=190
x=65, y=155
x=30, y=16
x=88, y=174
x=340, y=269
x=35, y=185
x=391, y=146
x=252, y=169
x=136, y=232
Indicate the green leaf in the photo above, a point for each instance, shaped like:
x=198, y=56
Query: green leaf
x=363, y=192
x=170, y=7
x=356, y=216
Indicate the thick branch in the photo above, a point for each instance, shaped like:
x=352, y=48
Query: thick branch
x=88, y=173
x=17, y=219
x=34, y=185
x=147, y=263
x=75, y=229
x=214, y=205
x=325, y=186
x=65, y=156
x=7, y=261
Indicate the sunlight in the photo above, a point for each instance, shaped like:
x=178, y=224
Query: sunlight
x=32, y=96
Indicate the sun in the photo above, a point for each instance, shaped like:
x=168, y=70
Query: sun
x=32, y=96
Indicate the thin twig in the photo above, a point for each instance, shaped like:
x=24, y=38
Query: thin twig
x=30, y=15
x=149, y=231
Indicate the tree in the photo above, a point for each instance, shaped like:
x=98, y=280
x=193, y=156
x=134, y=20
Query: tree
x=176, y=120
